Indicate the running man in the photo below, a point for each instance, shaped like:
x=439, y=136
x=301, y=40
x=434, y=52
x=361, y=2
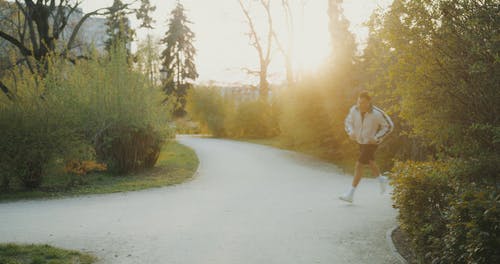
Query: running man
x=368, y=125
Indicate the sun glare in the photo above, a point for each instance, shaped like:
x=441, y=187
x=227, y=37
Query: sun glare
x=311, y=51
x=311, y=39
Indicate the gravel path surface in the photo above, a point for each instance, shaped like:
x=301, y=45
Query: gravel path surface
x=247, y=204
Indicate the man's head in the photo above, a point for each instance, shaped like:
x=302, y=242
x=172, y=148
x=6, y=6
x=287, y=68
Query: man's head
x=364, y=102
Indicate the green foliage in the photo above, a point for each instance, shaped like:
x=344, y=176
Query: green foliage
x=230, y=116
x=207, y=106
x=252, y=119
x=126, y=149
x=61, y=114
x=24, y=254
x=35, y=129
x=178, y=59
x=148, y=58
x=176, y=164
x=420, y=194
x=442, y=213
x=143, y=14
x=443, y=55
x=473, y=230
x=118, y=26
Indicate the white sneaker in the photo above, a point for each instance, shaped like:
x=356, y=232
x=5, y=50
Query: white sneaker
x=346, y=197
x=382, y=180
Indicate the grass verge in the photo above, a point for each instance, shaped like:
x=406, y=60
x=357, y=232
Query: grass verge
x=41, y=254
x=176, y=164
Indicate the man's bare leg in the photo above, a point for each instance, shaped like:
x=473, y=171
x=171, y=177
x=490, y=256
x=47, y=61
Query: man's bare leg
x=358, y=172
x=374, y=168
x=348, y=196
x=381, y=179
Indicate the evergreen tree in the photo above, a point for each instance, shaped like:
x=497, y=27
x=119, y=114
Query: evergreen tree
x=143, y=14
x=178, y=59
x=118, y=27
x=148, y=58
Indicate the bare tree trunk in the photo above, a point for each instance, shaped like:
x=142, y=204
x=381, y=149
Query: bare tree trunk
x=264, y=55
x=44, y=21
x=264, y=85
x=288, y=51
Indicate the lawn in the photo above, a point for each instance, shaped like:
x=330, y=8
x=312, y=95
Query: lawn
x=176, y=164
x=41, y=254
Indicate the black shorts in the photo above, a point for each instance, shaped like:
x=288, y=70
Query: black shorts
x=367, y=153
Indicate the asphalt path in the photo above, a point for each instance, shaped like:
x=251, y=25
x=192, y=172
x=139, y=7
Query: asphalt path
x=247, y=203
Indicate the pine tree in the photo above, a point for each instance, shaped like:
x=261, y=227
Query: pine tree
x=118, y=27
x=178, y=59
x=143, y=14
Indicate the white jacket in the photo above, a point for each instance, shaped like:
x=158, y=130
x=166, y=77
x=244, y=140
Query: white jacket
x=376, y=125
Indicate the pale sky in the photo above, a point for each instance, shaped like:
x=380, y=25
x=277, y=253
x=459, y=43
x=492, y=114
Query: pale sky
x=223, y=48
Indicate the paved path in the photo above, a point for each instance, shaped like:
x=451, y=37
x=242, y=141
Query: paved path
x=248, y=204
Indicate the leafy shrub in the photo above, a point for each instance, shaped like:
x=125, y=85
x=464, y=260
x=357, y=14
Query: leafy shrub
x=421, y=196
x=473, y=229
x=125, y=149
x=34, y=131
x=118, y=111
x=231, y=116
x=208, y=106
x=252, y=119
x=449, y=218
x=66, y=108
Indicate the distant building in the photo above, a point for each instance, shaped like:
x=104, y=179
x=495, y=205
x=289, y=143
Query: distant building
x=92, y=34
x=243, y=93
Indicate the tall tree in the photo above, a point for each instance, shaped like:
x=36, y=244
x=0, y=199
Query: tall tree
x=446, y=59
x=143, y=14
x=178, y=59
x=287, y=51
x=36, y=27
x=148, y=57
x=343, y=44
x=118, y=27
x=264, y=52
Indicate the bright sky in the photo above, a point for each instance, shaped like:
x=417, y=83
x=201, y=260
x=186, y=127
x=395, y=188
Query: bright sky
x=223, y=48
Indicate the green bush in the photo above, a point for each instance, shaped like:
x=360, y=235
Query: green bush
x=231, y=116
x=473, y=229
x=421, y=196
x=252, y=119
x=57, y=113
x=449, y=219
x=35, y=130
x=208, y=106
x=125, y=119
x=30, y=139
x=125, y=149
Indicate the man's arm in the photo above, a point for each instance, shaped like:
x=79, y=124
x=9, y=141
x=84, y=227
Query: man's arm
x=386, y=126
x=349, y=124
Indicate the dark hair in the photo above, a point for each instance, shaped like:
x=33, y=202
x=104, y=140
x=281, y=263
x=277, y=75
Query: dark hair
x=365, y=95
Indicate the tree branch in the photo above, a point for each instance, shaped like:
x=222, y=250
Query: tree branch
x=253, y=32
x=25, y=51
x=77, y=28
x=266, y=5
x=28, y=17
x=6, y=91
